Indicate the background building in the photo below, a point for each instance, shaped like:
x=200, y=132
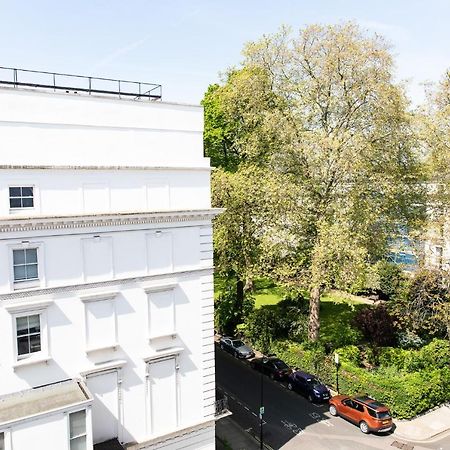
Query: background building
x=106, y=278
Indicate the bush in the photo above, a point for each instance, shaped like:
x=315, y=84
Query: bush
x=376, y=325
x=351, y=354
x=424, y=309
x=409, y=339
x=391, y=280
x=407, y=394
x=228, y=313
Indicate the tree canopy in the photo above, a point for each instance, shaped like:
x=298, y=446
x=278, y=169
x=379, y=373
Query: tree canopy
x=318, y=115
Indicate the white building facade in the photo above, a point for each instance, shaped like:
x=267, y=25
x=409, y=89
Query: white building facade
x=106, y=274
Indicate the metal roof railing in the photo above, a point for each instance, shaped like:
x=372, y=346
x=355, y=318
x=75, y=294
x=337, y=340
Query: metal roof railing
x=137, y=90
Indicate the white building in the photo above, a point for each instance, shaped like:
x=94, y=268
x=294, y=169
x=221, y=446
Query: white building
x=106, y=277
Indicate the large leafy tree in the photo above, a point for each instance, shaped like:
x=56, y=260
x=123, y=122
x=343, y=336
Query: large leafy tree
x=319, y=112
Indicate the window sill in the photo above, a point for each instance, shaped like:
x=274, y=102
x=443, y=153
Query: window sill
x=31, y=361
x=26, y=284
x=172, y=335
x=99, y=349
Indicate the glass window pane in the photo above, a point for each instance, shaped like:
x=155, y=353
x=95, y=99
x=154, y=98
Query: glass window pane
x=27, y=191
x=2, y=441
x=14, y=192
x=34, y=323
x=35, y=343
x=31, y=255
x=19, y=257
x=78, y=443
x=77, y=423
x=15, y=203
x=22, y=325
x=32, y=271
x=23, y=347
x=19, y=273
x=27, y=202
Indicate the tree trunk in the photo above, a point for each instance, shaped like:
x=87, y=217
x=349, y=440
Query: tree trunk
x=240, y=293
x=314, y=319
x=248, y=285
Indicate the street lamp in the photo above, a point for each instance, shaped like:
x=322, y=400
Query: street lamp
x=336, y=361
x=261, y=412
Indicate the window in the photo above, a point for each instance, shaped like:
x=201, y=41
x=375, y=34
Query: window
x=21, y=197
x=2, y=441
x=77, y=425
x=28, y=333
x=25, y=264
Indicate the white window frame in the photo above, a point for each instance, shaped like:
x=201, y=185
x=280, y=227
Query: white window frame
x=26, y=182
x=6, y=438
x=21, y=186
x=86, y=431
x=99, y=297
x=32, y=283
x=152, y=289
x=31, y=309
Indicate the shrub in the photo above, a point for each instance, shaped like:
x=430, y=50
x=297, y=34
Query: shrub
x=228, y=312
x=391, y=280
x=424, y=309
x=350, y=353
x=409, y=339
x=389, y=356
x=261, y=327
x=376, y=324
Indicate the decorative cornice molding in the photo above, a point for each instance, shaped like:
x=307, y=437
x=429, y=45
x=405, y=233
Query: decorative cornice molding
x=99, y=284
x=10, y=225
x=96, y=167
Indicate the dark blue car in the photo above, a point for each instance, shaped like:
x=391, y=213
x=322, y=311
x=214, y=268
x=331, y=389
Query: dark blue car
x=309, y=386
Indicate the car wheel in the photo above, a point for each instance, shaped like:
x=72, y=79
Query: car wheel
x=222, y=347
x=364, y=427
x=333, y=410
x=311, y=398
x=236, y=354
x=290, y=387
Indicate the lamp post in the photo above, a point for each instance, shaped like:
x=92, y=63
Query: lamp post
x=336, y=361
x=261, y=413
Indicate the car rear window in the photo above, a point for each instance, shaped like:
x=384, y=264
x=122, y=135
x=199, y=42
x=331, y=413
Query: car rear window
x=379, y=414
x=280, y=364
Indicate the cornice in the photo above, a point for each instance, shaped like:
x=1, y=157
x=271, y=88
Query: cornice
x=83, y=287
x=99, y=167
x=18, y=224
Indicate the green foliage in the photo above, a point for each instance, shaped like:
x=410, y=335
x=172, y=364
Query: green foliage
x=424, y=310
x=336, y=323
x=391, y=280
x=351, y=354
x=228, y=312
x=287, y=319
x=408, y=382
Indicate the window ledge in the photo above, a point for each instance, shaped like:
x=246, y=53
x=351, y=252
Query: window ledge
x=99, y=349
x=26, y=284
x=31, y=361
x=172, y=335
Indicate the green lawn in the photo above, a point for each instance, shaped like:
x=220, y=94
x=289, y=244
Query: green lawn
x=337, y=309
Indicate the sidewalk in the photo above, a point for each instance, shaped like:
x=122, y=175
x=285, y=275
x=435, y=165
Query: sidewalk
x=229, y=436
x=425, y=427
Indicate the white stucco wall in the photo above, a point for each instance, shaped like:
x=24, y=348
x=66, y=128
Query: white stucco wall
x=100, y=272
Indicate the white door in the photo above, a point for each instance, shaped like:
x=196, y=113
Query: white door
x=105, y=409
x=163, y=396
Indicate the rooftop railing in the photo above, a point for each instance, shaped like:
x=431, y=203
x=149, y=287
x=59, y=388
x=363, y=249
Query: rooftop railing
x=22, y=78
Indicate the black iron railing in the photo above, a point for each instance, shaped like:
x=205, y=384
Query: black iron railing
x=221, y=406
x=77, y=83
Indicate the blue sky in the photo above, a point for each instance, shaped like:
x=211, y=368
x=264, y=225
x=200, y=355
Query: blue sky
x=185, y=44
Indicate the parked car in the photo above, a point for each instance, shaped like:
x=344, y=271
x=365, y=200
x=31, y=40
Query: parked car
x=309, y=386
x=236, y=347
x=272, y=366
x=363, y=411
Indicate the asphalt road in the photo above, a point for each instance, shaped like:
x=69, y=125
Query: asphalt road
x=291, y=421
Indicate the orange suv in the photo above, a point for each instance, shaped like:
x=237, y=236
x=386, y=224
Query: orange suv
x=363, y=411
